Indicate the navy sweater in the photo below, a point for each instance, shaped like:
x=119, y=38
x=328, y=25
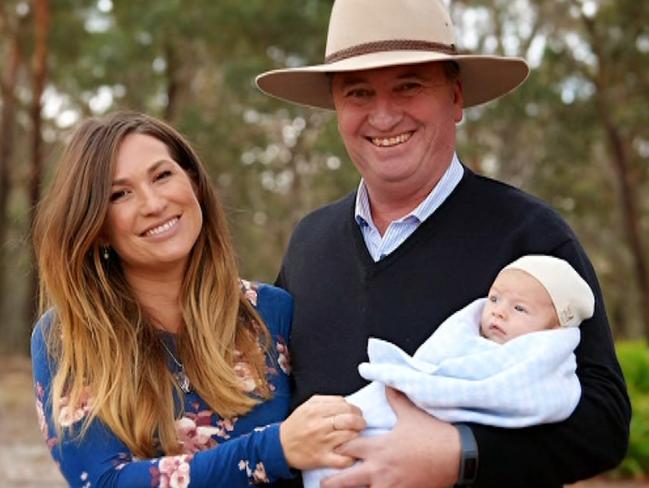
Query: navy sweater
x=342, y=297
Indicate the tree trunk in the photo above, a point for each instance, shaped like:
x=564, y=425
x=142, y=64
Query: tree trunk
x=39, y=77
x=7, y=125
x=628, y=196
x=172, y=83
x=620, y=163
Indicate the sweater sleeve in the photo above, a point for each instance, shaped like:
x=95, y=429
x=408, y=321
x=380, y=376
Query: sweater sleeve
x=593, y=439
x=99, y=458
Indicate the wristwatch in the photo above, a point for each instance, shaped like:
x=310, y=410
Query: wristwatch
x=468, y=456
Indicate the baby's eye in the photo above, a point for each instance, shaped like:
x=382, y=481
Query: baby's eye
x=520, y=308
x=493, y=298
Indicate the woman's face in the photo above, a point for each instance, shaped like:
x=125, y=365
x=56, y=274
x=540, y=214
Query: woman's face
x=154, y=217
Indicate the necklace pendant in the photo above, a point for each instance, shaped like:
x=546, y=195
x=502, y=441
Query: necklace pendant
x=183, y=381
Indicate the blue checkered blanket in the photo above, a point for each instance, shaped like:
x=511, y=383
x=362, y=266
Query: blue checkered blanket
x=459, y=376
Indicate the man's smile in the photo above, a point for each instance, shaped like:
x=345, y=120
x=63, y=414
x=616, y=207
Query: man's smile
x=392, y=140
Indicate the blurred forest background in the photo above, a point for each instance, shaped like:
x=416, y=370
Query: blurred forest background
x=576, y=134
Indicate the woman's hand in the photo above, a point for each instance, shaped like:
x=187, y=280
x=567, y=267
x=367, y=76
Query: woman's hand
x=312, y=432
x=420, y=450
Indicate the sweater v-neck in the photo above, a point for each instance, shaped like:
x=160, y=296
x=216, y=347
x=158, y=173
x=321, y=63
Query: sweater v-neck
x=366, y=261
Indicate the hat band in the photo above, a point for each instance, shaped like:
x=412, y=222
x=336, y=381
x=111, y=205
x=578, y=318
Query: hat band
x=391, y=45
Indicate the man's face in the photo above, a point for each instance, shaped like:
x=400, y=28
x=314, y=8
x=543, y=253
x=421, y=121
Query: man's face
x=517, y=304
x=398, y=124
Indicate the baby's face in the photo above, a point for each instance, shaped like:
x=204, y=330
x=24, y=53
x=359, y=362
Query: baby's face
x=517, y=304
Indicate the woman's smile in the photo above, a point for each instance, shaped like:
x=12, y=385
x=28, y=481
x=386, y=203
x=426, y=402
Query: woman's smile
x=162, y=230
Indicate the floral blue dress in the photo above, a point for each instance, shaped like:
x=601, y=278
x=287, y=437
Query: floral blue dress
x=218, y=452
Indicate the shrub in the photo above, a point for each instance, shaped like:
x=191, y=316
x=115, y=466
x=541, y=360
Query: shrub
x=634, y=359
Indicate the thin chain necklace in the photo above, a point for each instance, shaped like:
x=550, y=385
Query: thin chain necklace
x=181, y=378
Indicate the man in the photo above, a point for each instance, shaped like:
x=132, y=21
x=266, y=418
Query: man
x=421, y=237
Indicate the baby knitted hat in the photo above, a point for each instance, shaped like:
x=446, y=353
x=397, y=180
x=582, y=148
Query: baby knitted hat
x=572, y=297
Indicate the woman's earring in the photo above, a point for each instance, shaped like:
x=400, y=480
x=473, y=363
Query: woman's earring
x=105, y=253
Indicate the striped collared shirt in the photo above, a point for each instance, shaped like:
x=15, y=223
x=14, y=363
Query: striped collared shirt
x=399, y=230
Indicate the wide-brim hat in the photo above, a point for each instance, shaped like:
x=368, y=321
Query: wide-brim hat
x=369, y=34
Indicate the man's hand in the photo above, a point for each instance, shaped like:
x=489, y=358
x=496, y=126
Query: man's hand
x=420, y=452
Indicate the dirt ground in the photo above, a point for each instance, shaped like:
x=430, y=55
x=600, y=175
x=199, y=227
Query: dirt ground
x=24, y=459
x=25, y=462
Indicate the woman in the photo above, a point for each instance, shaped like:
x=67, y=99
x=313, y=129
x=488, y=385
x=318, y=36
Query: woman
x=155, y=365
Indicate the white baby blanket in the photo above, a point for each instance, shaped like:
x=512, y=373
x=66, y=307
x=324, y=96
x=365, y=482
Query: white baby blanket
x=459, y=376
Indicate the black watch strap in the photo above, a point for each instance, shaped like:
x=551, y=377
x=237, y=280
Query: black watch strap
x=468, y=457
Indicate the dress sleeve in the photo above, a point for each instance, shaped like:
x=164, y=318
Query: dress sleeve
x=99, y=458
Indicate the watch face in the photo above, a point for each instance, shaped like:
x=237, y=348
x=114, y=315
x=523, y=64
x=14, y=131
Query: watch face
x=470, y=468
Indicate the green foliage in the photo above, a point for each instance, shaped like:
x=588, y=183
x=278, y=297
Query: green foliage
x=634, y=358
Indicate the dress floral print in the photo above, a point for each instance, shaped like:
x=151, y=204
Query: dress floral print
x=172, y=471
x=283, y=356
x=257, y=475
x=216, y=452
x=200, y=430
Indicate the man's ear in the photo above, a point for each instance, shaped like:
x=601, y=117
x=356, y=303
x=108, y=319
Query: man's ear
x=458, y=101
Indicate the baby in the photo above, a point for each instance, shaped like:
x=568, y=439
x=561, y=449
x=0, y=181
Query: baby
x=506, y=360
x=535, y=293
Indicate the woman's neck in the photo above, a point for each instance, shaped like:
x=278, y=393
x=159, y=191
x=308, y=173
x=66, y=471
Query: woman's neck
x=158, y=295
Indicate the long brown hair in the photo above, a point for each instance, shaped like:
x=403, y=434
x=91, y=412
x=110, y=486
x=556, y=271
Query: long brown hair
x=101, y=338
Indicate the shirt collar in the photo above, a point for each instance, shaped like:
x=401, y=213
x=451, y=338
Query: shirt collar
x=439, y=193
